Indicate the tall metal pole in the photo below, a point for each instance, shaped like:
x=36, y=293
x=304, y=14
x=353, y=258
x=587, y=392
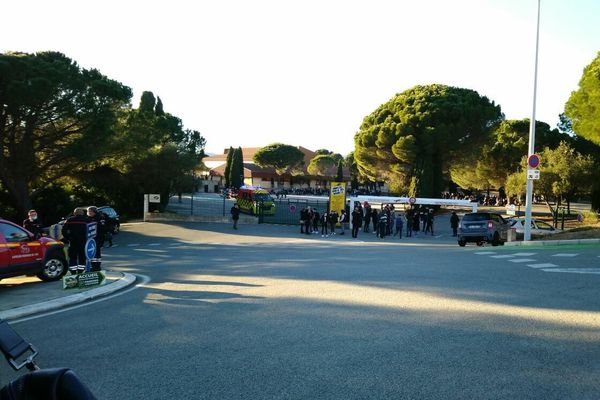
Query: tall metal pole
x=529, y=196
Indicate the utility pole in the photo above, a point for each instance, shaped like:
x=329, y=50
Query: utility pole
x=529, y=195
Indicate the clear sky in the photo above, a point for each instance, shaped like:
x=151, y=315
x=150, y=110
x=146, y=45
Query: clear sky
x=253, y=72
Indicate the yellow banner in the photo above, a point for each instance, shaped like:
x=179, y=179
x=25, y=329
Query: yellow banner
x=337, y=197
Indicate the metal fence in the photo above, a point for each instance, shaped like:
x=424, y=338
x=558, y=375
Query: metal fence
x=287, y=211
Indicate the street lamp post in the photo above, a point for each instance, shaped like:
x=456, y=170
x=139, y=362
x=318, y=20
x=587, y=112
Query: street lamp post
x=529, y=195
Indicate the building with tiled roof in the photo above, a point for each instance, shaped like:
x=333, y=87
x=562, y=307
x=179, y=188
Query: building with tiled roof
x=267, y=178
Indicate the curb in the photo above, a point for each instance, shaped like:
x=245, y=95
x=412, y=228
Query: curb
x=553, y=242
x=62, y=302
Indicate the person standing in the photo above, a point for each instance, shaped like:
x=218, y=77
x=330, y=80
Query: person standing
x=409, y=222
x=74, y=232
x=235, y=214
x=308, y=220
x=315, y=221
x=416, y=222
x=399, y=225
x=367, y=208
x=429, y=221
x=382, y=225
x=33, y=224
x=324, y=223
x=454, y=220
x=374, y=219
x=356, y=221
x=343, y=219
x=333, y=220
x=303, y=217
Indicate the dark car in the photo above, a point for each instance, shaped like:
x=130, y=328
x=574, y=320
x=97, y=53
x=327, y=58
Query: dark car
x=22, y=254
x=483, y=227
x=113, y=218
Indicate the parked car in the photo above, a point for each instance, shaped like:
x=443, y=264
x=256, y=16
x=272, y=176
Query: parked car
x=113, y=218
x=22, y=254
x=538, y=227
x=483, y=227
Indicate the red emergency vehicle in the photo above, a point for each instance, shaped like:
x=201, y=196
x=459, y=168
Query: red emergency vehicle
x=22, y=254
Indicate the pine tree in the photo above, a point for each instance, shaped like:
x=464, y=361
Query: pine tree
x=228, y=167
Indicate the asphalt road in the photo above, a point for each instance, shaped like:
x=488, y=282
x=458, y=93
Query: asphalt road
x=267, y=313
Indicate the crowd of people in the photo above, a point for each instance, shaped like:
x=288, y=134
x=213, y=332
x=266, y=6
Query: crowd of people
x=387, y=221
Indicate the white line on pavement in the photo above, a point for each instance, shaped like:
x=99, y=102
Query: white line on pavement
x=524, y=254
x=565, y=255
x=485, y=253
x=522, y=260
x=503, y=256
x=547, y=265
x=154, y=244
x=575, y=270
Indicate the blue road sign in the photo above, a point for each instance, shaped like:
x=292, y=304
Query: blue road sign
x=90, y=248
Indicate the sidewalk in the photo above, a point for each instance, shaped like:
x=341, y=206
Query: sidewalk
x=24, y=296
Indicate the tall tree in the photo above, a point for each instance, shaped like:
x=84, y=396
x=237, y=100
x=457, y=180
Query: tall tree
x=147, y=102
x=228, y=167
x=54, y=116
x=501, y=156
x=419, y=133
x=322, y=165
x=282, y=157
x=340, y=171
x=236, y=172
x=582, y=107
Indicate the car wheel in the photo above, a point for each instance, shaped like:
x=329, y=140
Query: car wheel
x=496, y=239
x=54, y=267
x=462, y=243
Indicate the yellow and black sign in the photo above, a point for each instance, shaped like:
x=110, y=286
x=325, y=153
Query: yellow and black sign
x=337, y=197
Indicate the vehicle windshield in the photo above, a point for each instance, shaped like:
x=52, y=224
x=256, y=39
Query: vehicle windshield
x=476, y=217
x=262, y=197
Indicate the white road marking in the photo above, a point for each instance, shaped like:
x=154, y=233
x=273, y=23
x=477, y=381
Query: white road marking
x=547, y=265
x=522, y=260
x=485, y=253
x=154, y=244
x=524, y=254
x=565, y=255
x=575, y=270
x=503, y=256
x=133, y=244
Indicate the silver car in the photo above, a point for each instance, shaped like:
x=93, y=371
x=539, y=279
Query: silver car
x=483, y=227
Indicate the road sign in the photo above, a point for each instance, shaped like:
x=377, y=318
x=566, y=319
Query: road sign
x=412, y=200
x=90, y=248
x=533, y=161
x=154, y=198
x=533, y=174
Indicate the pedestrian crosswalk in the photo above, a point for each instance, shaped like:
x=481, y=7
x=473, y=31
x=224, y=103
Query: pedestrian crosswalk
x=539, y=261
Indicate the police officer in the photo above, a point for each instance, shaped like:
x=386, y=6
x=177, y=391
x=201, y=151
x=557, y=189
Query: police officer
x=75, y=233
x=101, y=225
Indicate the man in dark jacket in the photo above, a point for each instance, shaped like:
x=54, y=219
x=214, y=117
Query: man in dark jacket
x=33, y=224
x=74, y=232
x=235, y=214
x=356, y=221
x=454, y=223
